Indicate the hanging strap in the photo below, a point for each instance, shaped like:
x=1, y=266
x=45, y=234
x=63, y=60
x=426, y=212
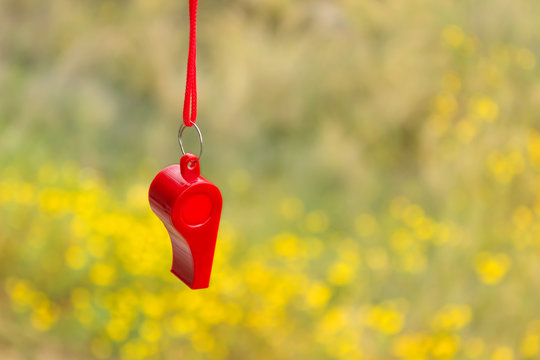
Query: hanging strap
x=190, y=99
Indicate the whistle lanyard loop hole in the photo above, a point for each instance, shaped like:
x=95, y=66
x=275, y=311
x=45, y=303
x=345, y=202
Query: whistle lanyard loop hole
x=181, y=132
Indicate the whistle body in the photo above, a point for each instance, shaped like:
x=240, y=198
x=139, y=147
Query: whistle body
x=190, y=208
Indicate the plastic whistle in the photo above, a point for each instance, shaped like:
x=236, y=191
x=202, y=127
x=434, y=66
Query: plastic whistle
x=190, y=208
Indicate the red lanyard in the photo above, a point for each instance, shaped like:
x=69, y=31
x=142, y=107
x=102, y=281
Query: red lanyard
x=190, y=100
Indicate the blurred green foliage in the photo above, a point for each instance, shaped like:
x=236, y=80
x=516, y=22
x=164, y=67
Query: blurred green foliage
x=379, y=163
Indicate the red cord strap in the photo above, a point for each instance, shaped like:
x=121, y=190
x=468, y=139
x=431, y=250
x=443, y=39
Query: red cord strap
x=190, y=99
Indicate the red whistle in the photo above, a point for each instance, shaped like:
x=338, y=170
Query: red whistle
x=190, y=208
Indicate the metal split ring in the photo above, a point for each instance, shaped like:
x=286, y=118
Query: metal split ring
x=181, y=132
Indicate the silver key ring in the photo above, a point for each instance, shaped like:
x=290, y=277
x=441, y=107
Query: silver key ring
x=181, y=132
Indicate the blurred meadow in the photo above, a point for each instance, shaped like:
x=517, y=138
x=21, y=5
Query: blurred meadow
x=379, y=163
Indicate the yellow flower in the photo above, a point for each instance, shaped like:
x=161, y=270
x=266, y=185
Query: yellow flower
x=332, y=322
x=522, y=217
x=445, y=346
x=153, y=305
x=318, y=295
x=386, y=319
x=6, y=192
x=340, y=274
x=257, y=276
x=233, y=314
x=137, y=197
x=530, y=346
x=286, y=245
x=425, y=228
x=118, y=329
x=25, y=194
x=214, y=312
x=533, y=146
x=181, y=325
x=85, y=204
x=44, y=315
x=53, y=200
x=453, y=35
x=505, y=167
x=502, y=353
x=262, y=319
x=20, y=291
x=413, y=215
x=483, y=108
x=446, y=105
x=102, y=274
x=443, y=234
x=452, y=317
x=491, y=268
x=345, y=346
x=401, y=240
x=415, y=346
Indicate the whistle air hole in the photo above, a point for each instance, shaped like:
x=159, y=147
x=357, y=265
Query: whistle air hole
x=196, y=209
